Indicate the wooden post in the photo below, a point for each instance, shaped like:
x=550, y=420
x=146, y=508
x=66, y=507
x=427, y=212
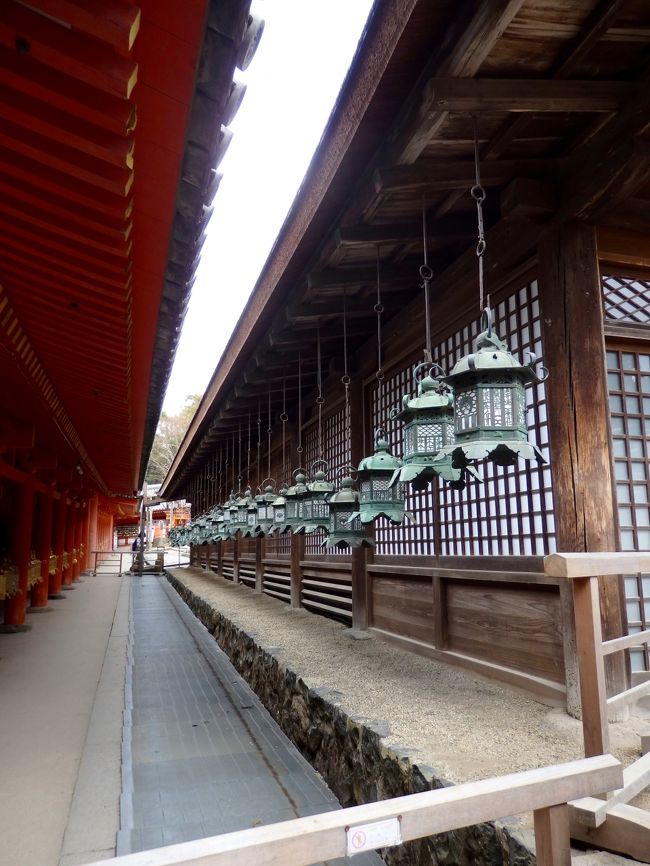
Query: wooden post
x=592, y=670
x=235, y=559
x=440, y=636
x=78, y=532
x=16, y=606
x=40, y=591
x=93, y=531
x=69, y=544
x=259, y=565
x=552, y=840
x=574, y=352
x=54, y=588
x=220, y=545
x=297, y=555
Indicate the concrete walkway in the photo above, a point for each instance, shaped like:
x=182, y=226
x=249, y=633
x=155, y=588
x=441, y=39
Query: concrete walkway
x=49, y=680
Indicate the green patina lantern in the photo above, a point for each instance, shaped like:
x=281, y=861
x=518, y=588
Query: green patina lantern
x=294, y=508
x=239, y=514
x=346, y=530
x=215, y=520
x=378, y=497
x=279, y=507
x=251, y=517
x=264, y=503
x=490, y=404
x=428, y=420
x=315, y=506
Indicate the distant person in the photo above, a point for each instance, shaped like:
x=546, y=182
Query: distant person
x=136, y=544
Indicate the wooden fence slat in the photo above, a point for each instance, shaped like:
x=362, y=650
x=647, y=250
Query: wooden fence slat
x=628, y=640
x=595, y=564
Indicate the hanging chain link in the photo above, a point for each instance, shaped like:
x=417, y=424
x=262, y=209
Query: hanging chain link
x=319, y=399
x=239, y=476
x=379, y=309
x=345, y=378
x=478, y=194
x=426, y=275
x=299, y=448
x=259, y=438
x=284, y=418
x=268, y=447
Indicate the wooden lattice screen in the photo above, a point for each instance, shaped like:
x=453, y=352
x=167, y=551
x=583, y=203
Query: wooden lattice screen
x=511, y=511
x=627, y=300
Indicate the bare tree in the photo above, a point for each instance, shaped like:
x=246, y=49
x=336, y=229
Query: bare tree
x=169, y=435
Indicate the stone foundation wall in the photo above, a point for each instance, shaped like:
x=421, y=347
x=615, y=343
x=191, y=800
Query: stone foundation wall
x=351, y=754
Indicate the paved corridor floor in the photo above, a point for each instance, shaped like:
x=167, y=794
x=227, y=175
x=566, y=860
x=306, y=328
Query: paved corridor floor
x=201, y=755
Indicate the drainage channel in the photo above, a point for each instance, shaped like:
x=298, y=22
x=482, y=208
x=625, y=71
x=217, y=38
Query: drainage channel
x=200, y=755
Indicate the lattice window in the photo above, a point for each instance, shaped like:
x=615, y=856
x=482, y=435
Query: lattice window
x=511, y=511
x=627, y=300
x=628, y=377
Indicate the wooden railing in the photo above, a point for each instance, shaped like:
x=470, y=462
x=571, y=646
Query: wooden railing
x=331, y=835
x=629, y=832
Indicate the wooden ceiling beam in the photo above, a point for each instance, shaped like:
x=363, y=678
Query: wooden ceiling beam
x=434, y=175
x=478, y=95
x=364, y=233
x=116, y=22
x=58, y=184
x=65, y=159
x=330, y=278
x=23, y=74
x=43, y=119
x=15, y=433
x=621, y=246
x=68, y=50
x=479, y=27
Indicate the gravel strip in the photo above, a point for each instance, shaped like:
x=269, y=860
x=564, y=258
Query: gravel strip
x=465, y=726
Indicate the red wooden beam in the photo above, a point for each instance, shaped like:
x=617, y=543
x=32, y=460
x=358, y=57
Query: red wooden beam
x=61, y=185
x=65, y=159
x=116, y=23
x=67, y=50
x=59, y=126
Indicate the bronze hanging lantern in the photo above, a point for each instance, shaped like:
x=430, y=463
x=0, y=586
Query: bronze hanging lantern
x=428, y=420
x=378, y=497
x=490, y=403
x=346, y=529
x=251, y=516
x=294, y=498
x=279, y=507
x=315, y=505
x=264, y=505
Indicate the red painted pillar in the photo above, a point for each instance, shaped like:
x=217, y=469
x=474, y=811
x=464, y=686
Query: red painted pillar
x=69, y=544
x=59, y=546
x=43, y=549
x=93, y=531
x=78, y=533
x=16, y=606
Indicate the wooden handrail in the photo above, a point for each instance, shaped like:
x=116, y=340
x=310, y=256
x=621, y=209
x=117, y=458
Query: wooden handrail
x=595, y=564
x=328, y=836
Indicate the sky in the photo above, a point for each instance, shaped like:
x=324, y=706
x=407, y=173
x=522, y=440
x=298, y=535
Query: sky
x=292, y=84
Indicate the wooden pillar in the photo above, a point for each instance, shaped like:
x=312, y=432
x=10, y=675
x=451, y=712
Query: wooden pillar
x=69, y=544
x=236, y=545
x=220, y=545
x=259, y=564
x=16, y=606
x=78, y=534
x=56, y=580
x=85, y=533
x=297, y=556
x=359, y=569
x=93, y=532
x=577, y=400
x=44, y=547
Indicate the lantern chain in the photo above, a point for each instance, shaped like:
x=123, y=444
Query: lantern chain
x=268, y=451
x=319, y=398
x=299, y=448
x=379, y=309
x=248, y=454
x=478, y=194
x=259, y=438
x=345, y=378
x=239, y=476
x=284, y=418
x=426, y=275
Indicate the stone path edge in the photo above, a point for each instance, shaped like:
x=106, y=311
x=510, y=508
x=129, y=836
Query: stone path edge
x=350, y=752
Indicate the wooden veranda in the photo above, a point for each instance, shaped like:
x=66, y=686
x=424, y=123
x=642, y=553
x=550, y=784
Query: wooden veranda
x=558, y=92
